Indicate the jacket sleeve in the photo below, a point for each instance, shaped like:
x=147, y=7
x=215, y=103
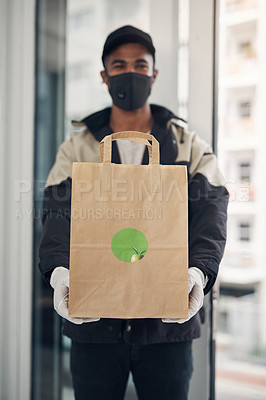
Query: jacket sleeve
x=62, y=168
x=55, y=238
x=56, y=213
x=208, y=201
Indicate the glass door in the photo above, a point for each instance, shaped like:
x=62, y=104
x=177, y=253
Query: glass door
x=69, y=40
x=49, y=133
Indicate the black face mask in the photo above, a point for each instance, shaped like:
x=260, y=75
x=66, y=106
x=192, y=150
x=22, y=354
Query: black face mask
x=129, y=91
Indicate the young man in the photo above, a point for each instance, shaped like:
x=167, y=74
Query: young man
x=157, y=352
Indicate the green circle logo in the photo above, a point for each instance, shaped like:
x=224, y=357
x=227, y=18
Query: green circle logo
x=129, y=245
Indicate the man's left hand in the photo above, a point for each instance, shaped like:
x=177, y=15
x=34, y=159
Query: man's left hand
x=196, y=284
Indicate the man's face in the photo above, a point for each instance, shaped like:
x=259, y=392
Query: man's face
x=129, y=57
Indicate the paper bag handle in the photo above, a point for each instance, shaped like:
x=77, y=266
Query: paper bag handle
x=135, y=136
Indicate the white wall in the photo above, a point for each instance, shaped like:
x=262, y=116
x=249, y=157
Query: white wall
x=201, y=67
x=16, y=165
x=164, y=33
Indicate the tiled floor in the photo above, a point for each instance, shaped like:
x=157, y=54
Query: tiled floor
x=239, y=380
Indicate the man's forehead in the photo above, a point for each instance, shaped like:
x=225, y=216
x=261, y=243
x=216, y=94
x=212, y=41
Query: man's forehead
x=130, y=52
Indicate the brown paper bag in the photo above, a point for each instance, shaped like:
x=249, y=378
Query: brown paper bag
x=129, y=237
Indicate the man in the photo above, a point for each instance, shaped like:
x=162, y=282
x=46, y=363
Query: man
x=157, y=352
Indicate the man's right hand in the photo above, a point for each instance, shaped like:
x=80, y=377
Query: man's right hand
x=60, y=283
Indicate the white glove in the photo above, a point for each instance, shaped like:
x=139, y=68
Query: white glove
x=196, y=283
x=60, y=282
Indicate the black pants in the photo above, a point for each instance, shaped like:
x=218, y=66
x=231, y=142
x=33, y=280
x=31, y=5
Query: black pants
x=160, y=371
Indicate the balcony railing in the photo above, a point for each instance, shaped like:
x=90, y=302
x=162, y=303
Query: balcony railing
x=240, y=5
x=241, y=64
x=237, y=127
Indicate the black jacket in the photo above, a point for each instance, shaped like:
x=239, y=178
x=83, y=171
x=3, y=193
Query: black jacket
x=208, y=199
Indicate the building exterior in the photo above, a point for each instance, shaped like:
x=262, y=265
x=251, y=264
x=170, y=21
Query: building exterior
x=242, y=142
